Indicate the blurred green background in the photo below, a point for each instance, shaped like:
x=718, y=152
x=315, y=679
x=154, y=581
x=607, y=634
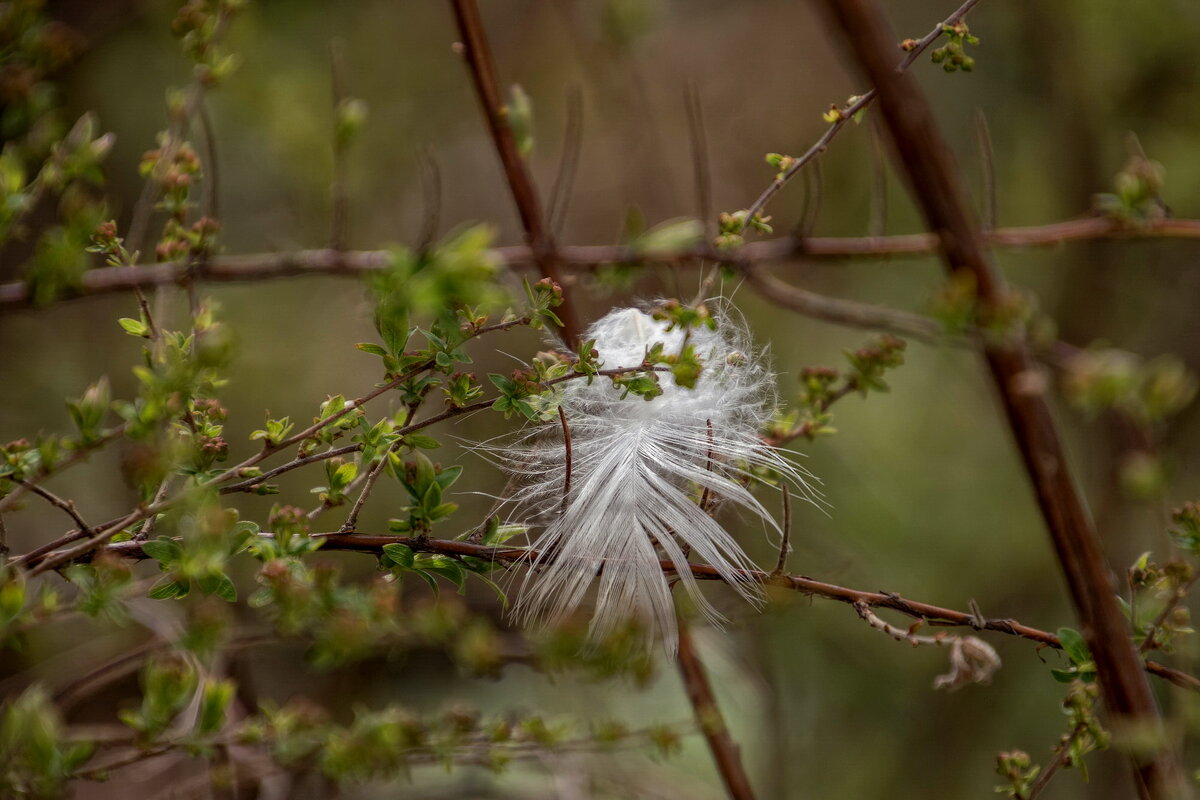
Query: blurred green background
x=927, y=497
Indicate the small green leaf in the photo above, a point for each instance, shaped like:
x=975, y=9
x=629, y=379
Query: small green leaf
x=400, y=554
x=422, y=441
x=134, y=327
x=167, y=588
x=1074, y=646
x=163, y=550
x=373, y=349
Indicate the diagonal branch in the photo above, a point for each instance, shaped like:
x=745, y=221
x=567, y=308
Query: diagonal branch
x=478, y=55
x=711, y=721
x=939, y=191
x=917, y=47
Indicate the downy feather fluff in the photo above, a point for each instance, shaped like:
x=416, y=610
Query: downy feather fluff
x=639, y=468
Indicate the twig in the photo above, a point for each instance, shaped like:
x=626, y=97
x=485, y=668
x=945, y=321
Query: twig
x=725, y=751
x=1062, y=754
x=567, y=456
x=373, y=544
x=1176, y=598
x=939, y=191
x=67, y=506
x=785, y=544
x=848, y=113
x=148, y=529
x=372, y=476
x=879, y=624
x=478, y=56
x=79, y=455
x=850, y=313
x=140, y=224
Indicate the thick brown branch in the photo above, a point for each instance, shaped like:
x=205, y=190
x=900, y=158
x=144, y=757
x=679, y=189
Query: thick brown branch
x=939, y=190
x=478, y=56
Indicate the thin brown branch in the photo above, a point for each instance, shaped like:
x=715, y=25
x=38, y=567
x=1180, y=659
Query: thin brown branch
x=351, y=523
x=78, y=456
x=567, y=455
x=848, y=113
x=1062, y=754
x=1177, y=597
x=373, y=544
x=850, y=313
x=68, y=506
x=785, y=543
x=937, y=185
x=271, y=266
x=725, y=751
x=478, y=55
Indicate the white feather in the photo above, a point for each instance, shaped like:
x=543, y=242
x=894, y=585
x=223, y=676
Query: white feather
x=638, y=469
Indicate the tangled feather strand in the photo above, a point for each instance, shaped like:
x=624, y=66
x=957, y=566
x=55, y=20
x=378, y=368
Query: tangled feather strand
x=637, y=469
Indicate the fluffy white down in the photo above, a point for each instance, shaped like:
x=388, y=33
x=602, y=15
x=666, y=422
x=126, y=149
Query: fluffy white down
x=638, y=469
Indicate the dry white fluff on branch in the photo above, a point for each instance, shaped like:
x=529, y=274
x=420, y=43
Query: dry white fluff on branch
x=639, y=469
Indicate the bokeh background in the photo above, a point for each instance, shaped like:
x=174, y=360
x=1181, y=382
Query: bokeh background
x=925, y=491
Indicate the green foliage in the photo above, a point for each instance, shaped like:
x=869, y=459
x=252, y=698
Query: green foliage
x=824, y=386
x=36, y=760
x=519, y=114
x=1019, y=773
x=102, y=588
x=1136, y=198
x=731, y=228
x=1148, y=392
x=199, y=558
x=168, y=683
x=1082, y=666
x=952, y=55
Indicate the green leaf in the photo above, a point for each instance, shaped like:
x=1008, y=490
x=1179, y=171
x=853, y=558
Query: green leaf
x=1063, y=675
x=166, y=588
x=433, y=584
x=520, y=119
x=134, y=327
x=346, y=473
x=422, y=441
x=219, y=585
x=1074, y=646
x=448, y=476
x=373, y=349
x=400, y=554
x=497, y=534
x=163, y=550
x=448, y=568
x=495, y=588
